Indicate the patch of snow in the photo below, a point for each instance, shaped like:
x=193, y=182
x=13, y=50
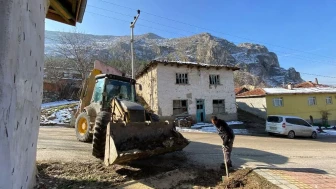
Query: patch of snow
x=57, y=103
x=244, y=57
x=326, y=131
x=202, y=125
x=300, y=90
x=196, y=63
x=329, y=132
x=210, y=128
x=234, y=122
x=62, y=116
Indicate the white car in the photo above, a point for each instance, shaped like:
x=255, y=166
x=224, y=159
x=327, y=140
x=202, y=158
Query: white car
x=290, y=126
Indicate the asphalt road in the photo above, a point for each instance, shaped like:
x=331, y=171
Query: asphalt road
x=60, y=144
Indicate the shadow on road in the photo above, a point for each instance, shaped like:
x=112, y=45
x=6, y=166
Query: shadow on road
x=320, y=138
x=198, y=164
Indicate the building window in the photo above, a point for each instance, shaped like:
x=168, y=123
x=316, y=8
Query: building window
x=218, y=106
x=329, y=100
x=76, y=76
x=181, y=78
x=214, y=79
x=277, y=102
x=66, y=75
x=311, y=101
x=180, y=107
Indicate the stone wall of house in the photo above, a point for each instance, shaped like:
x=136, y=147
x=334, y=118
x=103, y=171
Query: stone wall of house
x=253, y=105
x=149, y=89
x=198, y=88
x=21, y=76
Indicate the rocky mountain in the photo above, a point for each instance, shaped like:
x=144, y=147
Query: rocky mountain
x=259, y=67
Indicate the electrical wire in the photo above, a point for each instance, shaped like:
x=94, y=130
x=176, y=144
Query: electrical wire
x=199, y=27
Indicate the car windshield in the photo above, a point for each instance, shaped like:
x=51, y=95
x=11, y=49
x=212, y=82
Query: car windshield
x=120, y=89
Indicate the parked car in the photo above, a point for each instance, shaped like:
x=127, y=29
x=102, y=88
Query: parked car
x=290, y=126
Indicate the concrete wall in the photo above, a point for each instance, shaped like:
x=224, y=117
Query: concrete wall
x=149, y=89
x=254, y=105
x=198, y=88
x=21, y=75
x=297, y=105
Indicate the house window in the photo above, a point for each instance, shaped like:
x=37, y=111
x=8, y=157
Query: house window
x=180, y=107
x=329, y=100
x=218, y=106
x=66, y=75
x=214, y=79
x=311, y=101
x=76, y=76
x=181, y=78
x=277, y=102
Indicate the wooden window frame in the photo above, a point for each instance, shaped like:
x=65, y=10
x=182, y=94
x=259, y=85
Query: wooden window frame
x=217, y=106
x=182, y=78
x=214, y=79
x=279, y=101
x=181, y=107
x=310, y=100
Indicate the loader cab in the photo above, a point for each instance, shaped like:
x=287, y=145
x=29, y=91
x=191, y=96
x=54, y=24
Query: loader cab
x=110, y=86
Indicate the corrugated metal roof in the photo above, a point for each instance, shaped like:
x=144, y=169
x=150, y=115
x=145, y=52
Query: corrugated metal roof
x=300, y=90
x=179, y=63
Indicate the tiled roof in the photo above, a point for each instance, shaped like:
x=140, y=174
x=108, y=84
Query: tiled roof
x=178, y=63
x=253, y=93
x=309, y=84
x=238, y=90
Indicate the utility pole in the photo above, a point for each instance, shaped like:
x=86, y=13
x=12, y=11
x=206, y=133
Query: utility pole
x=132, y=40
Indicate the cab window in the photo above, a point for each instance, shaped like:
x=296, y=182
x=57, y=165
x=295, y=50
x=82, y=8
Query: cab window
x=98, y=90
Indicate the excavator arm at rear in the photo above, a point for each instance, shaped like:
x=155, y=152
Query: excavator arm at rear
x=118, y=126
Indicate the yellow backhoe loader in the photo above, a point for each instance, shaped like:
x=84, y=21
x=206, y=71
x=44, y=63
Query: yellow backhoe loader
x=120, y=128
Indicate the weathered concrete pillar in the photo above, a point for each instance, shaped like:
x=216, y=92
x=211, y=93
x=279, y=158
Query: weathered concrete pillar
x=21, y=77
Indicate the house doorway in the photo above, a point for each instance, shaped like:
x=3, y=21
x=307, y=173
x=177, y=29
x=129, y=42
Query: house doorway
x=200, y=112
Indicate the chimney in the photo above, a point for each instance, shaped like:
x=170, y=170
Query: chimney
x=290, y=86
x=316, y=81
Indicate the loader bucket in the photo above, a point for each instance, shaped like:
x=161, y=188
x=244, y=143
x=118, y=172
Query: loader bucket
x=140, y=140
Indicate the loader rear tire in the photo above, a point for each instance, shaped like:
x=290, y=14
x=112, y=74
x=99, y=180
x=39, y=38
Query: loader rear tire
x=99, y=134
x=82, y=127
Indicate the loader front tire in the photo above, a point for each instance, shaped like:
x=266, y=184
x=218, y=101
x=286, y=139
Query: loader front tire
x=99, y=134
x=82, y=127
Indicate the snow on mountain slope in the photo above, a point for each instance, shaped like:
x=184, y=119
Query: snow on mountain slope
x=261, y=65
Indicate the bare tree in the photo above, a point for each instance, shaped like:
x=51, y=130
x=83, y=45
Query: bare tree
x=55, y=74
x=79, y=51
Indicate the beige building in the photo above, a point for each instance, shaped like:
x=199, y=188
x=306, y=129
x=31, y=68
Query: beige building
x=201, y=90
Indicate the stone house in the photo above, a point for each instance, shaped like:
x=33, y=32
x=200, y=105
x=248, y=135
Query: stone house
x=200, y=90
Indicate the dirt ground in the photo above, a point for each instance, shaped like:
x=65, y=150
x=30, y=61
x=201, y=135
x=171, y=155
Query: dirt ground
x=152, y=173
